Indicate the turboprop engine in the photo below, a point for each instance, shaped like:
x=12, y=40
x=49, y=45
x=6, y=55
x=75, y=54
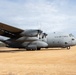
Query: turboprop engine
x=35, y=44
x=24, y=38
x=31, y=33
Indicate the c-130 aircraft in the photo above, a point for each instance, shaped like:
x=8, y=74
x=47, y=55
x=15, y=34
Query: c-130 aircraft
x=34, y=39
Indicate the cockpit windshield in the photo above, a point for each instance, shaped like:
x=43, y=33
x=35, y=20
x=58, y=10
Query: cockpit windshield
x=71, y=35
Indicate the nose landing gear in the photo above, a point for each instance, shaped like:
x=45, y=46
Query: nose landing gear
x=68, y=47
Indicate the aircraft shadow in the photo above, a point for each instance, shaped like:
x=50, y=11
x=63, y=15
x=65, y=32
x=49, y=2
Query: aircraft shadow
x=11, y=51
x=21, y=50
x=55, y=49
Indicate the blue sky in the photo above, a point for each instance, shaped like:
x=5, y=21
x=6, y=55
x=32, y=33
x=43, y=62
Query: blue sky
x=47, y=15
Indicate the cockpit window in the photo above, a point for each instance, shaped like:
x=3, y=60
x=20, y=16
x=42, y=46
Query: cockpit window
x=71, y=35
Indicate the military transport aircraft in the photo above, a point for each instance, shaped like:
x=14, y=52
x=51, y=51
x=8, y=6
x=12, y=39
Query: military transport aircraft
x=34, y=39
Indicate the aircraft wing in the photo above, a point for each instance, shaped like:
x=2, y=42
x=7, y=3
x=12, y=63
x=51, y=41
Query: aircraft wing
x=9, y=31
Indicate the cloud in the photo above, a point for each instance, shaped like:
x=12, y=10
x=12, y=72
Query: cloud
x=48, y=15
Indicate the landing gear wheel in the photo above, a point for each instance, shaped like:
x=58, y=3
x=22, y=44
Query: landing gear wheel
x=68, y=47
x=38, y=48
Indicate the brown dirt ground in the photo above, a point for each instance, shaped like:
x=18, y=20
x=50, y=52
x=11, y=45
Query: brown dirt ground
x=43, y=62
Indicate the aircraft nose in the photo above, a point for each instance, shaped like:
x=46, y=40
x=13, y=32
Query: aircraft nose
x=74, y=41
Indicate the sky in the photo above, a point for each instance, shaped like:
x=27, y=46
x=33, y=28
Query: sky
x=47, y=15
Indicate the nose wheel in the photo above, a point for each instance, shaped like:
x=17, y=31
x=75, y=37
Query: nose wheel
x=68, y=47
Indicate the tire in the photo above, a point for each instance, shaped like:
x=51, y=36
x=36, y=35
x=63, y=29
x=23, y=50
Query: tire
x=68, y=47
x=38, y=48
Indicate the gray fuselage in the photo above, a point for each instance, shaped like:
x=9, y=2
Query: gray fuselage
x=60, y=40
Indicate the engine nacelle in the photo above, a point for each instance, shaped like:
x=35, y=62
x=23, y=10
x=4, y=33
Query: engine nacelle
x=31, y=33
x=24, y=38
x=36, y=44
x=31, y=47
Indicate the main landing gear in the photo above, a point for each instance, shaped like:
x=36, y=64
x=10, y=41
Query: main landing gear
x=38, y=48
x=33, y=49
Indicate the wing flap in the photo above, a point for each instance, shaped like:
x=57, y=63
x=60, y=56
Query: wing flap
x=9, y=31
x=9, y=28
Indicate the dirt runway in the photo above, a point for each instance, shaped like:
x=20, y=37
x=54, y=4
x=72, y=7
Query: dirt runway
x=43, y=62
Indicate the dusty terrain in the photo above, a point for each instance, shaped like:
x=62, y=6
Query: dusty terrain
x=44, y=62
